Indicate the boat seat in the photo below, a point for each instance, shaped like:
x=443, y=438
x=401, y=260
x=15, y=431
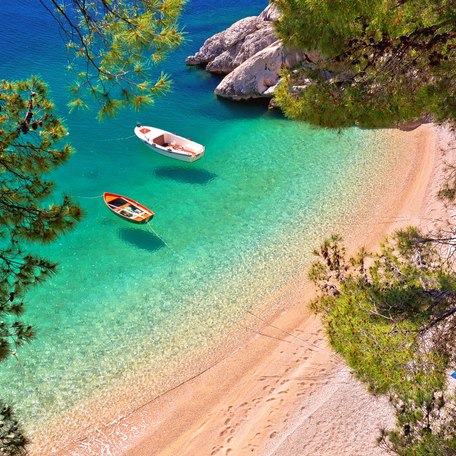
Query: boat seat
x=118, y=202
x=159, y=140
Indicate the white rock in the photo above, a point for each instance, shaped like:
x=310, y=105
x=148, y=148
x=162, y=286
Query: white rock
x=228, y=49
x=258, y=76
x=250, y=54
x=222, y=41
x=270, y=13
x=243, y=50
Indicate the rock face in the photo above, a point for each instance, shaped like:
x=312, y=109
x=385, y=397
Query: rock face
x=250, y=54
x=226, y=50
x=270, y=13
x=259, y=75
x=231, y=58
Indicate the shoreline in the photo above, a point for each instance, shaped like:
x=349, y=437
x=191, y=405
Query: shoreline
x=274, y=395
x=284, y=381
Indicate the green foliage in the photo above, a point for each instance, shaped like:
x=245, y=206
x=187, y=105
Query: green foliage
x=30, y=146
x=448, y=190
x=433, y=432
x=12, y=440
x=381, y=62
x=392, y=316
x=113, y=46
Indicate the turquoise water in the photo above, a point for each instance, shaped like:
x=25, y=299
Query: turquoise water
x=230, y=229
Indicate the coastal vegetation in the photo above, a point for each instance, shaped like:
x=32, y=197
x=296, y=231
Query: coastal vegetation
x=392, y=316
x=113, y=47
x=373, y=64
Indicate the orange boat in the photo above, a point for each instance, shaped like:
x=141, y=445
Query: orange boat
x=127, y=208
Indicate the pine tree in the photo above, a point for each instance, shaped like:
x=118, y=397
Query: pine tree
x=392, y=316
x=113, y=46
x=380, y=61
x=30, y=146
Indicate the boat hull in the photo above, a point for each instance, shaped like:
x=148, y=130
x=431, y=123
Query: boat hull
x=169, y=145
x=171, y=154
x=141, y=222
x=127, y=208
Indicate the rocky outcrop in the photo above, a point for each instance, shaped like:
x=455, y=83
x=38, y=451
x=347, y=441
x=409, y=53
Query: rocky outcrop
x=250, y=54
x=413, y=124
x=226, y=50
x=259, y=75
x=231, y=58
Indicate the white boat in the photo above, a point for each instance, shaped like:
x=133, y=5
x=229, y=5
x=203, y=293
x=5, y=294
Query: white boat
x=169, y=144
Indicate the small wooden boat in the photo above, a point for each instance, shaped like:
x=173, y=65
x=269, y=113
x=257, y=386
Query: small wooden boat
x=127, y=208
x=169, y=144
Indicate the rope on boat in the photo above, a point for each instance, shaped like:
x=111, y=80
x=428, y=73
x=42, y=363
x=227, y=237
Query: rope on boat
x=14, y=354
x=88, y=197
x=27, y=373
x=310, y=345
x=116, y=139
x=164, y=242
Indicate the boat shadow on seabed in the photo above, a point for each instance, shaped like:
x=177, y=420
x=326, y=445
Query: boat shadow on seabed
x=141, y=239
x=186, y=175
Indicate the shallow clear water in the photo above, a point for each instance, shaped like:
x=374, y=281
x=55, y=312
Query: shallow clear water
x=229, y=229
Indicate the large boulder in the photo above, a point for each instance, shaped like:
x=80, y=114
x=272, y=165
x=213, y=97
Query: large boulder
x=259, y=75
x=223, y=41
x=226, y=50
x=234, y=56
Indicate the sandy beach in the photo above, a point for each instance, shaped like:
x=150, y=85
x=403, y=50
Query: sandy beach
x=285, y=392
x=282, y=392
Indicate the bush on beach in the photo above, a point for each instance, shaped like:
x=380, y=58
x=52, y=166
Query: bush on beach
x=392, y=316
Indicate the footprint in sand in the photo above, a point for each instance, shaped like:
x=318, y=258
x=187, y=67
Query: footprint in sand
x=215, y=450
